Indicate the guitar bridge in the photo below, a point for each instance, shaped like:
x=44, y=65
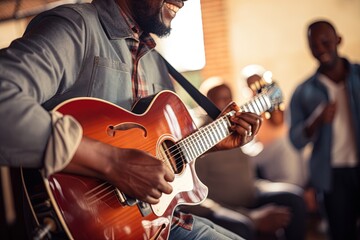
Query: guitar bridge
x=144, y=208
x=124, y=199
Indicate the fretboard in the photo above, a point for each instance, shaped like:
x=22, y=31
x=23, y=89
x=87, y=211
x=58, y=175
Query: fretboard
x=208, y=136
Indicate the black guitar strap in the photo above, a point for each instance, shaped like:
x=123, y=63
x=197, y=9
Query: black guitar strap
x=202, y=100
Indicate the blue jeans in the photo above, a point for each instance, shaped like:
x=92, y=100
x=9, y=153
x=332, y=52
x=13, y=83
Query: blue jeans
x=202, y=229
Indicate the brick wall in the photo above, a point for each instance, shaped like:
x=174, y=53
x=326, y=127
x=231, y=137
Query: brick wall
x=216, y=39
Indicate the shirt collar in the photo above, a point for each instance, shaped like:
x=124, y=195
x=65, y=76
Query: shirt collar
x=138, y=34
x=120, y=25
x=112, y=22
x=131, y=23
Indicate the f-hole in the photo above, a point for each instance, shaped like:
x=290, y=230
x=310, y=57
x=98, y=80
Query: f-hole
x=172, y=156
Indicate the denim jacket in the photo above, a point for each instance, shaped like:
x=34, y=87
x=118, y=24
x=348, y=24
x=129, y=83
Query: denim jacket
x=305, y=99
x=71, y=51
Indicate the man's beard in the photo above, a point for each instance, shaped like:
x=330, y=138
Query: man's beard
x=149, y=19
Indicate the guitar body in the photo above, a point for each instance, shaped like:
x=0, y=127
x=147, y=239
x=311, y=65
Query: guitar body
x=87, y=208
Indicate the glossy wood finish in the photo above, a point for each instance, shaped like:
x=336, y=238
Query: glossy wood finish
x=87, y=208
x=90, y=208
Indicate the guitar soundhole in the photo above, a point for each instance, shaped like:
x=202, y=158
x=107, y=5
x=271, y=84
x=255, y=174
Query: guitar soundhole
x=172, y=155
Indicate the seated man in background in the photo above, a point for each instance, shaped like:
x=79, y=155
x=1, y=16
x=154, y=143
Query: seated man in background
x=278, y=160
x=254, y=209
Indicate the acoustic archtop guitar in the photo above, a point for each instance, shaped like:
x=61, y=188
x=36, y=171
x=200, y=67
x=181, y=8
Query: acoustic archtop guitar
x=68, y=206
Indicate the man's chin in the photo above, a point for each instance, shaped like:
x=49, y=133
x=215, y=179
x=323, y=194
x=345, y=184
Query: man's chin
x=327, y=64
x=164, y=34
x=156, y=27
x=161, y=31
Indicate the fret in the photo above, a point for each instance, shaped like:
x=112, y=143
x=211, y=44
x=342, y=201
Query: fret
x=263, y=102
x=224, y=128
x=251, y=108
x=184, y=149
x=194, y=143
x=200, y=138
x=215, y=130
x=185, y=152
x=245, y=108
x=208, y=136
x=257, y=108
x=207, y=139
x=204, y=141
x=200, y=142
x=267, y=101
x=194, y=148
x=197, y=146
x=258, y=103
x=213, y=141
x=219, y=130
x=228, y=123
x=189, y=146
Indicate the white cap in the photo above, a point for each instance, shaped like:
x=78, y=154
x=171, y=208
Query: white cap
x=210, y=83
x=255, y=69
x=252, y=69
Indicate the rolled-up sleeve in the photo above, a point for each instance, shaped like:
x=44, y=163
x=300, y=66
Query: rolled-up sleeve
x=44, y=62
x=63, y=142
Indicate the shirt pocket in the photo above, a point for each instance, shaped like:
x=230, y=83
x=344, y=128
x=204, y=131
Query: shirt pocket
x=111, y=81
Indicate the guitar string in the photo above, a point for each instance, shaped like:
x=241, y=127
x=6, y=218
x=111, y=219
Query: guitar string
x=95, y=197
x=90, y=198
x=96, y=193
x=111, y=193
x=207, y=129
x=95, y=188
x=193, y=140
x=199, y=138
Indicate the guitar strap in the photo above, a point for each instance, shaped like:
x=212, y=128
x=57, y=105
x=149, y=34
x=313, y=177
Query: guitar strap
x=202, y=100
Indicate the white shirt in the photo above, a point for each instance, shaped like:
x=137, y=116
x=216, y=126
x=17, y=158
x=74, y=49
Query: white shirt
x=343, y=147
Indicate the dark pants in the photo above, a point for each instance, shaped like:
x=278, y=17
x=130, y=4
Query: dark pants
x=297, y=227
x=342, y=204
x=294, y=231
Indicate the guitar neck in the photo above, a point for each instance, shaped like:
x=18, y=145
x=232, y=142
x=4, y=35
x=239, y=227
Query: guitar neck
x=208, y=136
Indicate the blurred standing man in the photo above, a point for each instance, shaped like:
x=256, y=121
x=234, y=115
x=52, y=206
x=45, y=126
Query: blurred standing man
x=325, y=111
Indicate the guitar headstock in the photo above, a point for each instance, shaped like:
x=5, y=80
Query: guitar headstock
x=274, y=93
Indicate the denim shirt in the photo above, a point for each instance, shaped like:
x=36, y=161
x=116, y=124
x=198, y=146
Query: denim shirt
x=71, y=51
x=305, y=99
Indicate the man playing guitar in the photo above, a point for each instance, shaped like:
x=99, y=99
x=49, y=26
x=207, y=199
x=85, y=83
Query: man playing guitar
x=102, y=50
